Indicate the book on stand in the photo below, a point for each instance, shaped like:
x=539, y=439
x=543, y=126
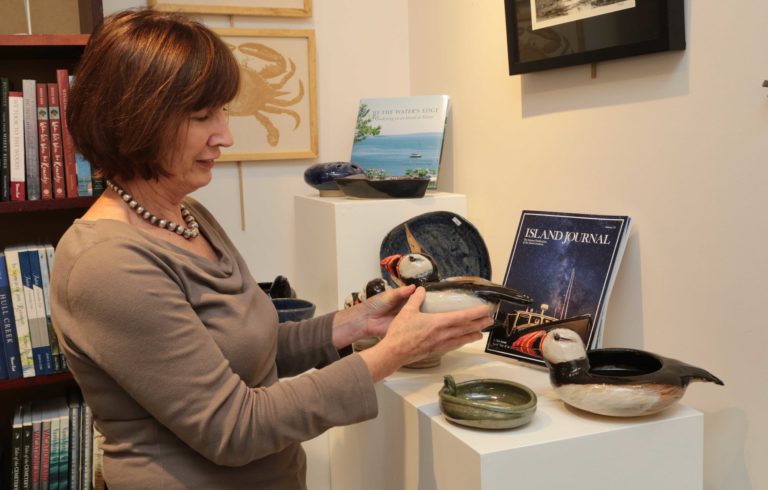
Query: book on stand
x=401, y=136
x=16, y=146
x=68, y=146
x=31, y=145
x=5, y=155
x=8, y=325
x=56, y=143
x=566, y=262
x=44, y=142
x=26, y=357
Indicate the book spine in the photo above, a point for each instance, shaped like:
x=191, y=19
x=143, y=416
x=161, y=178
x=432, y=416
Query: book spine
x=16, y=145
x=45, y=450
x=74, y=444
x=3, y=363
x=44, y=141
x=23, y=337
x=63, y=467
x=33, y=255
x=41, y=350
x=84, y=177
x=26, y=447
x=53, y=461
x=31, y=145
x=5, y=155
x=86, y=457
x=16, y=449
x=57, y=150
x=70, y=163
x=37, y=443
x=8, y=324
x=46, y=287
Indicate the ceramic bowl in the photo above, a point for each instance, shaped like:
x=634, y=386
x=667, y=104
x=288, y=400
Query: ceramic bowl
x=322, y=176
x=279, y=288
x=487, y=403
x=293, y=309
x=361, y=186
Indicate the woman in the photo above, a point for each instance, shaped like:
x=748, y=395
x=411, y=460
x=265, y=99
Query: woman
x=175, y=347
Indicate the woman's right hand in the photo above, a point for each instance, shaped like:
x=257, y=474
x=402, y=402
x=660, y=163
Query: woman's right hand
x=414, y=335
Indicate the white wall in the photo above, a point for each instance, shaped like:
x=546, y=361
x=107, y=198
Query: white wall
x=675, y=140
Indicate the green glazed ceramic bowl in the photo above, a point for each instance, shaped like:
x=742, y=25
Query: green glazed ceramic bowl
x=487, y=403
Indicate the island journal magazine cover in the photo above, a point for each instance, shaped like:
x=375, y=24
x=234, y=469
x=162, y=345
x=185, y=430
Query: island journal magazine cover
x=567, y=263
x=401, y=136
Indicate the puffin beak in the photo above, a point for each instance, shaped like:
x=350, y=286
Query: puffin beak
x=390, y=263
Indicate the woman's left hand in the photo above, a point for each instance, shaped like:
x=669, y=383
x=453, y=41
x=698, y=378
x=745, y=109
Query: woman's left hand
x=371, y=318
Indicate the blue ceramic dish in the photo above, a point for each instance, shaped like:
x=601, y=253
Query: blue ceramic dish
x=293, y=310
x=322, y=176
x=450, y=239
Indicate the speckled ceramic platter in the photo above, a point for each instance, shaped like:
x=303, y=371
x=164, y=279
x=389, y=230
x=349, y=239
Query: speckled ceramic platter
x=450, y=239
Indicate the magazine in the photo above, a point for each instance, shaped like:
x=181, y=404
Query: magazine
x=567, y=263
x=401, y=136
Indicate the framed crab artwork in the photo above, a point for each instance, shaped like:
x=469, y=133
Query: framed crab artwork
x=265, y=8
x=274, y=117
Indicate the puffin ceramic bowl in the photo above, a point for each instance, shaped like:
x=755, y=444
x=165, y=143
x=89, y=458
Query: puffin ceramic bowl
x=322, y=176
x=293, y=310
x=361, y=186
x=487, y=403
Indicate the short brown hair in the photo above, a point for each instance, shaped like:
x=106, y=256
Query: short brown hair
x=141, y=76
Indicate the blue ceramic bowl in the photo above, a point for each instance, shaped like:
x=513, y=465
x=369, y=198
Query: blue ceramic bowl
x=293, y=310
x=322, y=176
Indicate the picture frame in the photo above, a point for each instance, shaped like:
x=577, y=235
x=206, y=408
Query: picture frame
x=274, y=117
x=262, y=8
x=633, y=27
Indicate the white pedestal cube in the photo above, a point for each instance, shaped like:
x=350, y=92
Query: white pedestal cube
x=338, y=240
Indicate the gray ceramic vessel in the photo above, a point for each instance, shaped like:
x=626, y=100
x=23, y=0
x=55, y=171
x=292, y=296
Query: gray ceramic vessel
x=487, y=403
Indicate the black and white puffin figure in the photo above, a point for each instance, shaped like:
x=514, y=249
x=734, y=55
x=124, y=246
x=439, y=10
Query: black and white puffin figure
x=450, y=294
x=615, y=382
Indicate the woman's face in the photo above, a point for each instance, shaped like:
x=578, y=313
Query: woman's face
x=198, y=148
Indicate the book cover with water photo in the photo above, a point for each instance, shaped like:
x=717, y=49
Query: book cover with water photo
x=567, y=263
x=401, y=136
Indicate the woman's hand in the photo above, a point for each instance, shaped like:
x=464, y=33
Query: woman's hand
x=371, y=318
x=413, y=335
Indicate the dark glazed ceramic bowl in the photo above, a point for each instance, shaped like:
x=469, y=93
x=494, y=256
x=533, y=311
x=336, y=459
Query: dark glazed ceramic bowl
x=293, y=310
x=487, y=403
x=322, y=176
x=392, y=187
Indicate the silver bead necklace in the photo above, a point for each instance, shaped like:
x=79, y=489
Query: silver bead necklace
x=190, y=232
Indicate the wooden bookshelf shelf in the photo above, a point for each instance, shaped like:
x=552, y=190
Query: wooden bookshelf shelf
x=44, y=40
x=45, y=205
x=35, y=382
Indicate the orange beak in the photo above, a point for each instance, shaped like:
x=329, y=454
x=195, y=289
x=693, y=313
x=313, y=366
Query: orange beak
x=390, y=263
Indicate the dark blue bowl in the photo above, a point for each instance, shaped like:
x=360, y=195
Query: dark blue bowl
x=293, y=310
x=322, y=176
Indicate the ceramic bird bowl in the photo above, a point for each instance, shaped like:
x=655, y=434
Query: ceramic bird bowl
x=361, y=186
x=322, y=176
x=293, y=309
x=487, y=403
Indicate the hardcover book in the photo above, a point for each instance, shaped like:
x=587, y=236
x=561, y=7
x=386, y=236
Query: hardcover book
x=44, y=142
x=567, y=263
x=31, y=145
x=5, y=151
x=8, y=325
x=16, y=146
x=68, y=146
x=57, y=147
x=401, y=136
x=13, y=264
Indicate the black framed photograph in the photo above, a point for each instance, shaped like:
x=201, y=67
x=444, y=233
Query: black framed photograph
x=546, y=34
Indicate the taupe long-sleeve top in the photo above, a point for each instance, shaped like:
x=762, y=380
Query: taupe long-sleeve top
x=179, y=359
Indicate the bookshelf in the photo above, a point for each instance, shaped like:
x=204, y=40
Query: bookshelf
x=35, y=56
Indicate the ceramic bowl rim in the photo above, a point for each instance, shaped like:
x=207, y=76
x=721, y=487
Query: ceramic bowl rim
x=509, y=408
x=302, y=304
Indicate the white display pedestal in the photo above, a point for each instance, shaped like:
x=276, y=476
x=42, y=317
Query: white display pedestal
x=410, y=445
x=338, y=240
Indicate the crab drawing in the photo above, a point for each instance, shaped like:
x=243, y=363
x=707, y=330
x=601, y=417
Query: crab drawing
x=264, y=75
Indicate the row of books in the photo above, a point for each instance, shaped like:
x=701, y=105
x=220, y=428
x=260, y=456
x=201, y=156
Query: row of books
x=30, y=347
x=54, y=446
x=37, y=154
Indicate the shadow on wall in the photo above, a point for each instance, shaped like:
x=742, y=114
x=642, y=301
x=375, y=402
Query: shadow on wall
x=624, y=317
x=623, y=81
x=725, y=434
